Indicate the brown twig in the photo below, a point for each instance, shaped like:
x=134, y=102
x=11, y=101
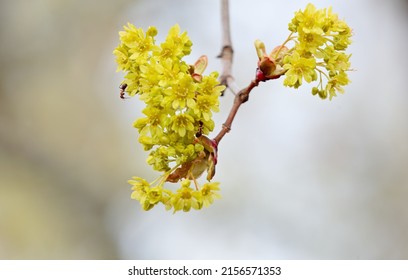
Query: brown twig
x=227, y=50
x=226, y=77
x=240, y=98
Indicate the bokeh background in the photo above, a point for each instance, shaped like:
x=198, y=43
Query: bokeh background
x=301, y=178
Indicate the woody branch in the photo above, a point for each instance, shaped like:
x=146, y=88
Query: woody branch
x=226, y=77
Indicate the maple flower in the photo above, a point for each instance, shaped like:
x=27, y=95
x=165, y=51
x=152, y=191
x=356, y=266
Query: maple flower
x=209, y=192
x=319, y=51
x=186, y=198
x=299, y=68
x=320, y=39
x=180, y=101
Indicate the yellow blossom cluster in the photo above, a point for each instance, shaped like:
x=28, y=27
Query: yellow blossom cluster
x=184, y=199
x=179, y=102
x=320, y=40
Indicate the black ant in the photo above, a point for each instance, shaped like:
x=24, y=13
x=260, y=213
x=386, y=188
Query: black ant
x=200, y=129
x=122, y=91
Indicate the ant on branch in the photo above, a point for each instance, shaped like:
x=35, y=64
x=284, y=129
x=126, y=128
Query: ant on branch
x=122, y=91
x=200, y=129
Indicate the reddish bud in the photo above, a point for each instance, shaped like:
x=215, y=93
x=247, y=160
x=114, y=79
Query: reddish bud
x=267, y=65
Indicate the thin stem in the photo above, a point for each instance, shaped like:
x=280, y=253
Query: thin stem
x=226, y=77
x=322, y=72
x=284, y=43
x=164, y=177
x=227, y=50
x=190, y=175
x=226, y=33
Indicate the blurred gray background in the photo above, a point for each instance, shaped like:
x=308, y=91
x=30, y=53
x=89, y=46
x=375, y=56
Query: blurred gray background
x=301, y=178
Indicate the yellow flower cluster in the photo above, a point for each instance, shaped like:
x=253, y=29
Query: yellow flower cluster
x=184, y=199
x=178, y=114
x=321, y=39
